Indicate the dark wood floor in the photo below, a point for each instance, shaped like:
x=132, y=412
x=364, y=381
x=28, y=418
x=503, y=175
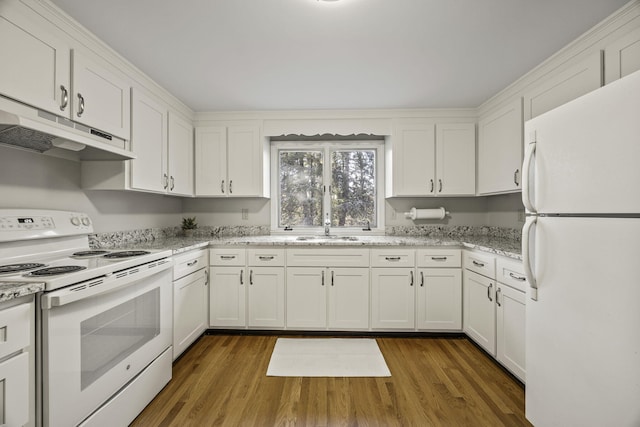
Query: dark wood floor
x=221, y=381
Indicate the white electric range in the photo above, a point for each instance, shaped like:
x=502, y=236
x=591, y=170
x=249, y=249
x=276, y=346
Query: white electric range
x=103, y=322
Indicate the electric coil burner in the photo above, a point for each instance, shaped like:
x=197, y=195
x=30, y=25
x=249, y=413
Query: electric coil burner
x=16, y=268
x=126, y=254
x=53, y=271
x=90, y=253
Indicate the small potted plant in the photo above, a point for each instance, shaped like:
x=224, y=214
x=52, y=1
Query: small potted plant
x=189, y=224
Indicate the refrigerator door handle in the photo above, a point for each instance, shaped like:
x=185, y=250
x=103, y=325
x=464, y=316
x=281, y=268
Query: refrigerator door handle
x=526, y=255
x=526, y=170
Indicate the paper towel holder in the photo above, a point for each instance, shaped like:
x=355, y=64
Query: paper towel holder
x=435, y=213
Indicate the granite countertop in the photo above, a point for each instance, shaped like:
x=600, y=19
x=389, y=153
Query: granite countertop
x=498, y=245
x=13, y=290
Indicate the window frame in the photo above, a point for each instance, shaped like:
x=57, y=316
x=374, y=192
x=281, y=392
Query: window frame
x=327, y=147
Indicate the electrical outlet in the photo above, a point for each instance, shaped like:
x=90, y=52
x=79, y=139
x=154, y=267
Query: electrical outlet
x=245, y=213
x=520, y=215
x=393, y=213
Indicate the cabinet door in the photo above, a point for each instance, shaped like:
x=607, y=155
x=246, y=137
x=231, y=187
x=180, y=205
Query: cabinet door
x=479, y=310
x=189, y=310
x=14, y=390
x=100, y=98
x=511, y=325
x=413, y=163
x=306, y=297
x=211, y=161
x=439, y=294
x=565, y=86
x=266, y=297
x=148, y=143
x=180, y=148
x=456, y=159
x=349, y=298
x=36, y=66
x=227, y=297
x=622, y=57
x=392, y=298
x=500, y=150
x=244, y=154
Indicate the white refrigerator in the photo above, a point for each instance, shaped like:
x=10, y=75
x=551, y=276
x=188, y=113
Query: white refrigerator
x=581, y=251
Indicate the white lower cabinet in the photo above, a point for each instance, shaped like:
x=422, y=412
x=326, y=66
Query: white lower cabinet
x=323, y=297
x=439, y=299
x=495, y=308
x=227, y=296
x=190, y=280
x=393, y=298
x=266, y=297
x=17, y=379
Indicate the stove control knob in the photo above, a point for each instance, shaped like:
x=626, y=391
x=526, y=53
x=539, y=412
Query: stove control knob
x=75, y=221
x=86, y=221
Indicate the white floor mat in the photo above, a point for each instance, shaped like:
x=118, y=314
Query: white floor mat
x=327, y=357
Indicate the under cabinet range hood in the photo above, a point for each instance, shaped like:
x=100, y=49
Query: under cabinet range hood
x=36, y=130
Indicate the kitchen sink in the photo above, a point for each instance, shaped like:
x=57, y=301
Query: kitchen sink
x=330, y=237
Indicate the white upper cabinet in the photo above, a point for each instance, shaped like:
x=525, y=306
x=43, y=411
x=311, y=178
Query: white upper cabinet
x=180, y=159
x=411, y=156
x=500, y=150
x=423, y=162
x=229, y=162
x=148, y=143
x=99, y=98
x=562, y=87
x=622, y=57
x=456, y=159
x=36, y=66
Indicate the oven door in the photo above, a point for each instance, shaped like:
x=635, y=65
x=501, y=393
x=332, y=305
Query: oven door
x=93, y=347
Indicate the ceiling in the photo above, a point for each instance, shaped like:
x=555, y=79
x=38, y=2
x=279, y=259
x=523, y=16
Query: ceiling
x=238, y=55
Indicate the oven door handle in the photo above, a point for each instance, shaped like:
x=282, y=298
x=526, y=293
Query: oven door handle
x=102, y=285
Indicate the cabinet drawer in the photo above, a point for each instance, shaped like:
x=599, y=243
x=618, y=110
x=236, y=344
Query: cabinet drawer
x=328, y=257
x=15, y=323
x=266, y=257
x=393, y=258
x=230, y=256
x=511, y=273
x=484, y=264
x=189, y=262
x=449, y=258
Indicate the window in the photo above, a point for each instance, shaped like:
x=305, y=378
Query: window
x=338, y=181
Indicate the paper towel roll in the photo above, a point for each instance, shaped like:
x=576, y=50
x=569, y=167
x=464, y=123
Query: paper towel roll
x=437, y=213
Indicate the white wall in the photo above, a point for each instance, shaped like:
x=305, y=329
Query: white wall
x=463, y=210
x=221, y=211
x=32, y=180
x=505, y=210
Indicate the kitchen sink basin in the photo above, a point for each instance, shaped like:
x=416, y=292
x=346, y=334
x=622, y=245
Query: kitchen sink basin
x=321, y=238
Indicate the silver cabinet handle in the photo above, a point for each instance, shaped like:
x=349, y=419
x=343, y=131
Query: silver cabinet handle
x=331, y=277
x=498, y=291
x=222, y=186
x=192, y=263
x=431, y=181
x=518, y=278
x=322, y=274
x=439, y=258
x=265, y=258
x=489, y=291
x=515, y=177
x=173, y=183
x=241, y=277
x=251, y=277
x=227, y=257
x=421, y=278
x=392, y=258
x=65, y=98
x=440, y=186
x=80, y=105
x=206, y=275
x=165, y=178
x=230, y=186
x=411, y=283
x=478, y=264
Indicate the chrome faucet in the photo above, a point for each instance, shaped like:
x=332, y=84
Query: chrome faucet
x=327, y=224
